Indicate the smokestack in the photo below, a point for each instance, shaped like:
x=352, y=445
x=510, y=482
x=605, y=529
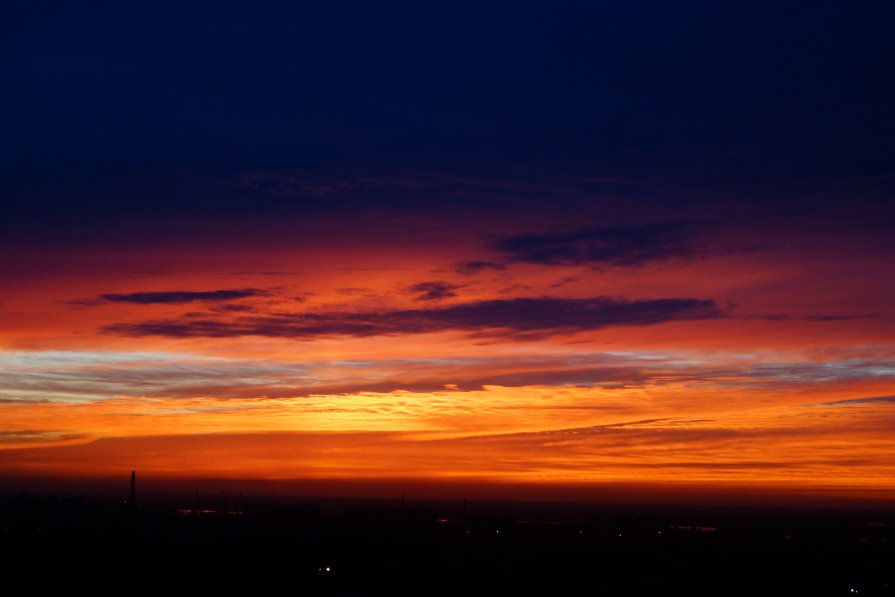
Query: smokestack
x=133, y=498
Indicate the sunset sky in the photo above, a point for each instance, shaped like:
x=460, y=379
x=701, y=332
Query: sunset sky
x=555, y=245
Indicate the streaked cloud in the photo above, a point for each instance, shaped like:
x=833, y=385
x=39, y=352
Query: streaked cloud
x=434, y=291
x=515, y=438
x=531, y=316
x=616, y=245
x=867, y=400
x=182, y=296
x=469, y=268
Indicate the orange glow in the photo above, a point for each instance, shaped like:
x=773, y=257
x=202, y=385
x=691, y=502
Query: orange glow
x=791, y=388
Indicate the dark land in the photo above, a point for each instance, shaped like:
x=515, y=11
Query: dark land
x=232, y=544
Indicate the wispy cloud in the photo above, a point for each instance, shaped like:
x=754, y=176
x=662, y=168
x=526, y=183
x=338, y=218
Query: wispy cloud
x=434, y=291
x=529, y=316
x=30, y=437
x=868, y=400
x=619, y=245
x=182, y=296
x=469, y=268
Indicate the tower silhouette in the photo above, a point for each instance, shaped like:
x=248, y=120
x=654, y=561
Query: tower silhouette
x=132, y=501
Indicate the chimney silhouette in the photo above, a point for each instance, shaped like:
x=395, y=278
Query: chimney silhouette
x=132, y=501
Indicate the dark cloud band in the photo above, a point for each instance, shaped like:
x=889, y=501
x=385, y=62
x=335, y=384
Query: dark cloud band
x=434, y=291
x=519, y=316
x=177, y=296
x=633, y=245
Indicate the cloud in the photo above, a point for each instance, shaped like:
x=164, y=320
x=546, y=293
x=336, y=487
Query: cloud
x=234, y=309
x=434, y=291
x=182, y=296
x=626, y=246
x=76, y=377
x=40, y=438
x=867, y=400
x=529, y=316
x=73, y=377
x=821, y=318
x=469, y=268
x=607, y=377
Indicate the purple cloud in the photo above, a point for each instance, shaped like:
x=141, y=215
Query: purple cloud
x=529, y=316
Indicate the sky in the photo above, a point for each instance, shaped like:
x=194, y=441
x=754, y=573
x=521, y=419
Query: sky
x=566, y=248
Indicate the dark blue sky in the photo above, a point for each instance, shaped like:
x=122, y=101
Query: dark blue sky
x=114, y=110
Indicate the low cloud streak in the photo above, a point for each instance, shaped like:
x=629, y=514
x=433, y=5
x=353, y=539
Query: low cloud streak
x=524, y=316
x=181, y=296
x=618, y=245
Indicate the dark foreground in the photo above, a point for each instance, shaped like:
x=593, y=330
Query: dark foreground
x=60, y=545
